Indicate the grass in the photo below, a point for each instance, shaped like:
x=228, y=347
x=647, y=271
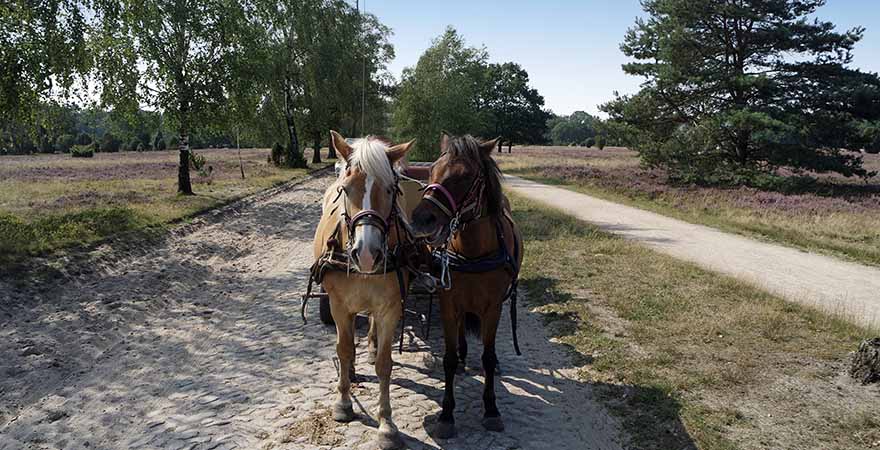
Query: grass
x=835, y=216
x=690, y=358
x=52, y=202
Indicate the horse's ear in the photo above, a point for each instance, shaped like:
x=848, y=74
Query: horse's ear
x=489, y=146
x=444, y=141
x=397, y=152
x=338, y=142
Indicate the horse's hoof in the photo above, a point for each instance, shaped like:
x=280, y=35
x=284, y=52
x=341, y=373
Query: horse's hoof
x=343, y=413
x=389, y=441
x=493, y=423
x=445, y=430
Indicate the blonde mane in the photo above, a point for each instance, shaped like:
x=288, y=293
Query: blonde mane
x=369, y=156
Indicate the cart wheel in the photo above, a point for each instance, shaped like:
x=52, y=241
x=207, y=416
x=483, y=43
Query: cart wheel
x=324, y=310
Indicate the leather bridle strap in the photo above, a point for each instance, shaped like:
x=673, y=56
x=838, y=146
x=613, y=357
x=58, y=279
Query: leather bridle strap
x=453, y=210
x=453, y=207
x=370, y=216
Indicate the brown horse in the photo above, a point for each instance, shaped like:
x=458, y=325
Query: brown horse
x=360, y=224
x=465, y=217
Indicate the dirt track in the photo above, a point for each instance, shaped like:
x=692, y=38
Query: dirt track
x=828, y=283
x=196, y=342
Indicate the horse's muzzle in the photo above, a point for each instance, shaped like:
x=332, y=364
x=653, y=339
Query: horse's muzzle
x=366, y=260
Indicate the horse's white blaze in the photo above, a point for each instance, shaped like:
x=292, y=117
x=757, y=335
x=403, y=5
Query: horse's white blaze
x=368, y=238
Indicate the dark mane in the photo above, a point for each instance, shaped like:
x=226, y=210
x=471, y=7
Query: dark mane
x=468, y=147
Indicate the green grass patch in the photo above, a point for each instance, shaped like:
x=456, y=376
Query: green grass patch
x=851, y=236
x=63, y=203
x=46, y=233
x=685, y=357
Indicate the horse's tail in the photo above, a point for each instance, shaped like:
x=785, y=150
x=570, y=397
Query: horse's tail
x=513, y=317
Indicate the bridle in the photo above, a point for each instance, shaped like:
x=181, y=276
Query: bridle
x=457, y=216
x=455, y=212
x=370, y=217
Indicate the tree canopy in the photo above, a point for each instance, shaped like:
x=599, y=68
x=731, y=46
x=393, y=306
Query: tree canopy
x=172, y=54
x=572, y=130
x=454, y=89
x=746, y=86
x=515, y=109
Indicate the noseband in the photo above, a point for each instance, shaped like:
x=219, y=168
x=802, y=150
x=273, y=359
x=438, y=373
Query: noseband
x=368, y=217
x=455, y=213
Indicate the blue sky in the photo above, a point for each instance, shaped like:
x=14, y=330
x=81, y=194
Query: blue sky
x=569, y=47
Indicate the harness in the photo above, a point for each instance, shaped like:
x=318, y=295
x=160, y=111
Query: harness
x=446, y=260
x=336, y=258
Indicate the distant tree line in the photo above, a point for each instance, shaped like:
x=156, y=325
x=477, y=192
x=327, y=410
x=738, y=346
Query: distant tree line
x=69, y=125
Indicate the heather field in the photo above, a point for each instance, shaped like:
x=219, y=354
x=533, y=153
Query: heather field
x=48, y=202
x=831, y=215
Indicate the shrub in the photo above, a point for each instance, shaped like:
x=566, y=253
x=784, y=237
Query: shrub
x=82, y=151
x=64, y=143
x=600, y=142
x=196, y=162
x=141, y=147
x=173, y=142
x=159, y=141
x=109, y=143
x=83, y=139
x=46, y=145
x=589, y=142
x=133, y=145
x=277, y=155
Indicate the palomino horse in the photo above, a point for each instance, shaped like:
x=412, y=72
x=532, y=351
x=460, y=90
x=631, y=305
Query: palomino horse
x=465, y=217
x=354, y=246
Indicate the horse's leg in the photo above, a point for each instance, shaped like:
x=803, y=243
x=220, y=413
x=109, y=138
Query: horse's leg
x=488, y=329
x=371, y=341
x=462, y=349
x=388, y=437
x=342, y=410
x=451, y=319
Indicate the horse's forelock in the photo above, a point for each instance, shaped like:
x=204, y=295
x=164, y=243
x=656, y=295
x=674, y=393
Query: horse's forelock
x=468, y=147
x=369, y=156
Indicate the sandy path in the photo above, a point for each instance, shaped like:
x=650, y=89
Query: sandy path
x=196, y=342
x=837, y=286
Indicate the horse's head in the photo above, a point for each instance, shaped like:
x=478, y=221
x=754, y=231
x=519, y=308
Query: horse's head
x=368, y=184
x=464, y=175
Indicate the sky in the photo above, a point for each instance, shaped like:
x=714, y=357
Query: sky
x=570, y=48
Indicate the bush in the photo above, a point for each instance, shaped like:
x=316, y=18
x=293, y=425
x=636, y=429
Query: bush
x=83, y=139
x=132, y=145
x=109, y=143
x=196, y=162
x=159, y=141
x=82, y=151
x=600, y=142
x=64, y=143
x=277, y=155
x=173, y=142
x=46, y=145
x=589, y=142
x=141, y=147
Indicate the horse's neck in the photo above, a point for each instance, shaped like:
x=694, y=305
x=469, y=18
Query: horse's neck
x=478, y=238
